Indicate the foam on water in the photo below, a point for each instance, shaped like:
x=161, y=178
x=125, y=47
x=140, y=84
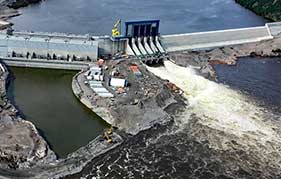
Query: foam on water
x=217, y=106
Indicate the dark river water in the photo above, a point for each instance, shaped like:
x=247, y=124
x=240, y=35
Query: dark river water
x=259, y=78
x=45, y=97
x=98, y=16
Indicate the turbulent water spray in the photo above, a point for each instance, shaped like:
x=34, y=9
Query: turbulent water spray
x=217, y=106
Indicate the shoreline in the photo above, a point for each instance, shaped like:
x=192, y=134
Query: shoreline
x=9, y=9
x=228, y=55
x=261, y=9
x=106, y=107
x=46, y=164
x=78, y=92
x=39, y=151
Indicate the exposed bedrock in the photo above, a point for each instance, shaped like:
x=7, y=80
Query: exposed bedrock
x=226, y=55
x=21, y=145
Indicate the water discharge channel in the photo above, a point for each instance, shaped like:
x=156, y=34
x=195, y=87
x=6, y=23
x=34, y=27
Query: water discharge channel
x=45, y=98
x=216, y=105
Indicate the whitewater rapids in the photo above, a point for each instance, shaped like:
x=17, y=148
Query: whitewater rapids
x=217, y=106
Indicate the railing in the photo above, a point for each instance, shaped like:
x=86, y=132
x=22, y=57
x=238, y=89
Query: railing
x=2, y=68
x=52, y=34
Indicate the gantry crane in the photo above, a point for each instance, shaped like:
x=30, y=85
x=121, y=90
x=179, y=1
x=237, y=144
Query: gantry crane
x=115, y=30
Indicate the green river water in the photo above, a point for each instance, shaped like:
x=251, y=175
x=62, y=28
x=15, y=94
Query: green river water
x=45, y=98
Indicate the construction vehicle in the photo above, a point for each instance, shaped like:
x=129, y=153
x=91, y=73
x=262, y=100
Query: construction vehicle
x=107, y=135
x=115, y=30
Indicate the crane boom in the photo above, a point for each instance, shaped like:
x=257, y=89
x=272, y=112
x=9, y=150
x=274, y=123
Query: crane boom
x=115, y=31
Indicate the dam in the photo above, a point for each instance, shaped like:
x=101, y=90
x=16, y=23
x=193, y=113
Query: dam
x=141, y=39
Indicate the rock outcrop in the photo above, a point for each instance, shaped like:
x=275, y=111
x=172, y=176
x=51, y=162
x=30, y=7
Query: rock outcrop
x=8, y=7
x=21, y=145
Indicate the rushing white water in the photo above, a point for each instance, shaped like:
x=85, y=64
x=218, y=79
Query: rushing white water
x=217, y=106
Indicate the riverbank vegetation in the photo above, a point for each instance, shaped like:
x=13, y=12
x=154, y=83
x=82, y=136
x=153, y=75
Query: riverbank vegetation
x=270, y=9
x=22, y=3
x=17, y=3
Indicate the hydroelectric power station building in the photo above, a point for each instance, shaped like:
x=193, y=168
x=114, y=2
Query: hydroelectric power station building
x=47, y=46
x=140, y=39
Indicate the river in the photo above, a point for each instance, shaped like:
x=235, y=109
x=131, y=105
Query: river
x=264, y=87
x=183, y=149
x=98, y=17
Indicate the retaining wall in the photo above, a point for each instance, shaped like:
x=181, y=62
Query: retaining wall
x=50, y=64
x=274, y=28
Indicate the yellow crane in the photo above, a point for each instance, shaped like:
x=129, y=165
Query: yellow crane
x=115, y=31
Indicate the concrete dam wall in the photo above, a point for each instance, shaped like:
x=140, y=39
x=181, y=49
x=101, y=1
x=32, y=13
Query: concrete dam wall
x=52, y=46
x=275, y=28
x=220, y=38
x=52, y=50
x=50, y=64
x=66, y=51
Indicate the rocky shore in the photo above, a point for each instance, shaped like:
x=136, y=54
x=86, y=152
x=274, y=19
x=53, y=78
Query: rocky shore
x=136, y=108
x=25, y=154
x=21, y=145
x=8, y=7
x=147, y=102
x=226, y=55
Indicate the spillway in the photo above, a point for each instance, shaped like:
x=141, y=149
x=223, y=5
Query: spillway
x=218, y=106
